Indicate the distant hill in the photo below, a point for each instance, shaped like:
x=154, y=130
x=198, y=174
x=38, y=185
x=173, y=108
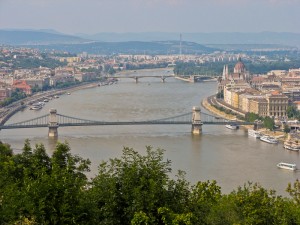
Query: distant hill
x=151, y=42
x=282, y=38
x=31, y=37
x=132, y=47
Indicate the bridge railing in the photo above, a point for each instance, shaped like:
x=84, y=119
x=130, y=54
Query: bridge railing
x=38, y=121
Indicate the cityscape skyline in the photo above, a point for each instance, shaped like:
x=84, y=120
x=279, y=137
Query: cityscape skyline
x=96, y=16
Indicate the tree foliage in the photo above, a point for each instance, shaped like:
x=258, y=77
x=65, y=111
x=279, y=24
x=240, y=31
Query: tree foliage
x=132, y=190
x=216, y=68
x=40, y=188
x=15, y=96
x=292, y=112
x=269, y=123
x=251, y=117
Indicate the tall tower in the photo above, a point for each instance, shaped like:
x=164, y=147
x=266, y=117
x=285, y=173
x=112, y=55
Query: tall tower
x=225, y=72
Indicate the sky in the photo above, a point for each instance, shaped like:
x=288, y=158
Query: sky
x=121, y=16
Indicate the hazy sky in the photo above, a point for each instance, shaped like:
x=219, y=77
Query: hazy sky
x=93, y=16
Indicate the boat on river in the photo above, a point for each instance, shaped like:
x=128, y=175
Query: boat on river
x=291, y=145
x=269, y=139
x=287, y=166
x=37, y=105
x=254, y=133
x=232, y=126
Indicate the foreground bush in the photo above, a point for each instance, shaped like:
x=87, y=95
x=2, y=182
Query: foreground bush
x=134, y=189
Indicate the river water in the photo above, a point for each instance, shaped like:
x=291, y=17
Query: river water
x=229, y=157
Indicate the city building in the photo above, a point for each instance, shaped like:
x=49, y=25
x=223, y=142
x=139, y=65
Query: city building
x=258, y=106
x=277, y=104
x=23, y=86
x=5, y=93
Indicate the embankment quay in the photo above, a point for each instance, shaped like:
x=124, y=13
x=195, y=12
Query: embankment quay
x=8, y=111
x=213, y=101
x=210, y=102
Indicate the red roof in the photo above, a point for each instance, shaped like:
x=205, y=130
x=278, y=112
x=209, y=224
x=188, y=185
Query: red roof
x=21, y=84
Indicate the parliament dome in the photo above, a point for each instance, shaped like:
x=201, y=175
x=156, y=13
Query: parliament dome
x=239, y=66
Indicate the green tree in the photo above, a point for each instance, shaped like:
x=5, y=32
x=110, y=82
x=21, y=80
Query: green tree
x=251, y=117
x=220, y=95
x=286, y=128
x=294, y=191
x=269, y=123
x=254, y=204
x=42, y=189
x=133, y=184
x=202, y=198
x=292, y=112
x=133, y=190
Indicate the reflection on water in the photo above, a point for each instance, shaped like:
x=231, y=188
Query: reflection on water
x=228, y=156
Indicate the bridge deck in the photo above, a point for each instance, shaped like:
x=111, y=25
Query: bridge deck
x=67, y=121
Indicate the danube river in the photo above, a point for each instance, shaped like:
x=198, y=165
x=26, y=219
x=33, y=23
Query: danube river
x=229, y=157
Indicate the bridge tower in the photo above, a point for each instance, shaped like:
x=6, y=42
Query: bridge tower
x=53, y=124
x=196, y=121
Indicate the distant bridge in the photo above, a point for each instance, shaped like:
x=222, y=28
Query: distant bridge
x=196, y=78
x=196, y=118
x=136, y=78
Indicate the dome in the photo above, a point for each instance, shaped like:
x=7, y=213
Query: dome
x=239, y=67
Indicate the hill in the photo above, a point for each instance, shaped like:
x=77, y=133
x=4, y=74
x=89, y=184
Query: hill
x=31, y=37
x=132, y=47
x=282, y=38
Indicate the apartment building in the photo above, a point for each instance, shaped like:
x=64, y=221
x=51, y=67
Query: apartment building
x=277, y=104
x=4, y=93
x=258, y=106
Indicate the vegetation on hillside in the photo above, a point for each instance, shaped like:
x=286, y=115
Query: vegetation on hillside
x=29, y=63
x=15, y=96
x=216, y=68
x=134, y=189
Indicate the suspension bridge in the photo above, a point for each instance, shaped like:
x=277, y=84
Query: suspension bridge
x=53, y=120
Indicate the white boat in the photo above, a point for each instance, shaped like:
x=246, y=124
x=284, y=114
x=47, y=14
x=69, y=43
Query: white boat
x=291, y=145
x=254, y=133
x=288, y=166
x=37, y=105
x=269, y=139
x=232, y=126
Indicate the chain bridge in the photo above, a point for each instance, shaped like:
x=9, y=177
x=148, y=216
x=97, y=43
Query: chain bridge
x=53, y=120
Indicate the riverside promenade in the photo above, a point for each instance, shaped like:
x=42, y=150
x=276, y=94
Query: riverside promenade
x=209, y=103
x=8, y=111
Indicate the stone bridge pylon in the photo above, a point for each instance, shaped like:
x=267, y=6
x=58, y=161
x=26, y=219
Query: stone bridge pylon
x=196, y=120
x=53, y=123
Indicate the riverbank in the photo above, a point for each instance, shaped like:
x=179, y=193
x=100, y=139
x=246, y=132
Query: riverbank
x=10, y=110
x=207, y=104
